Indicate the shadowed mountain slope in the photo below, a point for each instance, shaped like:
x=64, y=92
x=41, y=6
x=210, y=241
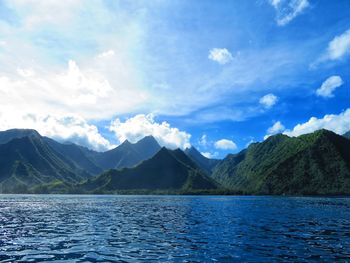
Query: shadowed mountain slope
x=168, y=169
x=29, y=161
x=203, y=162
x=127, y=154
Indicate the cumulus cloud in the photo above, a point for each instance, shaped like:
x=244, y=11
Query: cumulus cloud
x=328, y=86
x=338, y=47
x=220, y=55
x=141, y=125
x=225, y=144
x=268, y=100
x=277, y=127
x=70, y=128
x=287, y=10
x=84, y=92
x=337, y=123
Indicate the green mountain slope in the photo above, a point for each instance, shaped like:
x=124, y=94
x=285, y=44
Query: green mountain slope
x=167, y=170
x=316, y=163
x=203, y=162
x=127, y=154
x=28, y=162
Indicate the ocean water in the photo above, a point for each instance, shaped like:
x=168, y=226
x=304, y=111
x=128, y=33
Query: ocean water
x=70, y=228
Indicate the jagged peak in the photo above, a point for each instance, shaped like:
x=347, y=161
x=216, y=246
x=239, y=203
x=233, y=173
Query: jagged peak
x=148, y=139
x=126, y=142
x=191, y=149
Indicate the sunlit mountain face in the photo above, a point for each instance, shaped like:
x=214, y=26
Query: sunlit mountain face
x=216, y=76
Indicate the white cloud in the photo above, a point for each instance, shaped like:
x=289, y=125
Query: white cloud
x=106, y=54
x=141, y=125
x=62, y=128
x=277, y=127
x=249, y=143
x=220, y=55
x=207, y=154
x=287, y=10
x=43, y=36
x=203, y=140
x=328, y=86
x=225, y=144
x=338, y=47
x=84, y=92
x=25, y=73
x=336, y=123
x=268, y=100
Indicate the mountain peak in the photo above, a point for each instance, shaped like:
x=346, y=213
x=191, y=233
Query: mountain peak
x=126, y=142
x=8, y=135
x=192, y=150
x=322, y=133
x=149, y=139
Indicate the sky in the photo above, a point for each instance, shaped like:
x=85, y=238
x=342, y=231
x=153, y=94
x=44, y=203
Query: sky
x=217, y=75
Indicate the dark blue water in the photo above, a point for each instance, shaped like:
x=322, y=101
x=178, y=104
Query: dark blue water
x=42, y=228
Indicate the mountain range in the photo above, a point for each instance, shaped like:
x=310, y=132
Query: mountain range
x=313, y=164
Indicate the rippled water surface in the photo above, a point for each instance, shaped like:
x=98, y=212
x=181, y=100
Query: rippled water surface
x=41, y=228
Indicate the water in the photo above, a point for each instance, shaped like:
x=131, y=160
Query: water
x=42, y=228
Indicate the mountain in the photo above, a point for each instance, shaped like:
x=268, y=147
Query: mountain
x=8, y=135
x=167, y=170
x=29, y=162
x=75, y=153
x=316, y=163
x=203, y=162
x=127, y=154
x=79, y=155
x=347, y=135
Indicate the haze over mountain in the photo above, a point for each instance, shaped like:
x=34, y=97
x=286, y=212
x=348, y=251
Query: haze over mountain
x=167, y=170
x=127, y=154
x=203, y=162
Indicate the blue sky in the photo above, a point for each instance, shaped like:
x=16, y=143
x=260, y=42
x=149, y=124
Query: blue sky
x=213, y=74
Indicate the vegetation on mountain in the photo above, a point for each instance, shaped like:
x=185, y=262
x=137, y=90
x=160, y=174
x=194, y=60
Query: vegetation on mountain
x=167, y=170
x=316, y=163
x=313, y=164
x=28, y=161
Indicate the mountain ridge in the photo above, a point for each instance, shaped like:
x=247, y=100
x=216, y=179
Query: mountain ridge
x=154, y=174
x=290, y=165
x=311, y=164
